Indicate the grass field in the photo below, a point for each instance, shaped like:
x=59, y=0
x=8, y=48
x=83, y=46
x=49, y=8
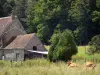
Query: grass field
x=82, y=56
x=43, y=67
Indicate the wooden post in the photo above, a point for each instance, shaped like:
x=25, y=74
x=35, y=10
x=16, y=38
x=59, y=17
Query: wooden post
x=11, y=63
x=93, y=57
x=85, y=53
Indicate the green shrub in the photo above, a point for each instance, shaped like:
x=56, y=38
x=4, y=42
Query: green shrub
x=63, y=46
x=94, y=45
x=54, y=40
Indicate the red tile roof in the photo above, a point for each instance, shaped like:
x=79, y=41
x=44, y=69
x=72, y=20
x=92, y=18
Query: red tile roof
x=4, y=23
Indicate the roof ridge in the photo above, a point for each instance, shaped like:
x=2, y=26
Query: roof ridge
x=29, y=40
x=26, y=34
x=6, y=17
x=7, y=25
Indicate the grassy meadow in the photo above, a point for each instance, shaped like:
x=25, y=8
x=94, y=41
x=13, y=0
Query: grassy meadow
x=82, y=55
x=44, y=67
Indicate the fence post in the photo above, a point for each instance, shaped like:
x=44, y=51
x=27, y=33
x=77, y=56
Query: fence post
x=85, y=53
x=11, y=63
x=93, y=57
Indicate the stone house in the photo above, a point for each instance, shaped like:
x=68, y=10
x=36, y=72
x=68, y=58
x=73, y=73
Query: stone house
x=15, y=44
x=21, y=48
x=10, y=27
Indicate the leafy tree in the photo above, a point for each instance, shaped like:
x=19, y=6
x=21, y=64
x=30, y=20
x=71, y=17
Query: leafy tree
x=20, y=8
x=80, y=16
x=81, y=35
x=49, y=13
x=64, y=46
x=94, y=45
x=6, y=7
x=32, y=27
x=96, y=16
x=54, y=40
x=42, y=32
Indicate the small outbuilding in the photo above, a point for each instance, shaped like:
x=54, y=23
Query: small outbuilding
x=15, y=44
x=27, y=46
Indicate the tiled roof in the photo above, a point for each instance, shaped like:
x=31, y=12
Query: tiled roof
x=4, y=23
x=20, y=41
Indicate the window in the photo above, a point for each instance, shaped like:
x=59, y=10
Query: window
x=3, y=56
x=34, y=48
x=17, y=56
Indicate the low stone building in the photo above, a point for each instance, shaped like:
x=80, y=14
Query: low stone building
x=15, y=44
x=21, y=48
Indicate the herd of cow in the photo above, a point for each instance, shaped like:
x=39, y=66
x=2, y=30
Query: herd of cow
x=86, y=65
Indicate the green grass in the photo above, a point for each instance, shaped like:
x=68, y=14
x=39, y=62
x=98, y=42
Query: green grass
x=81, y=55
x=82, y=52
x=43, y=67
x=47, y=47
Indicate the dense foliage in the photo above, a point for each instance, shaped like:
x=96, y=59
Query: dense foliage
x=94, y=45
x=45, y=17
x=63, y=46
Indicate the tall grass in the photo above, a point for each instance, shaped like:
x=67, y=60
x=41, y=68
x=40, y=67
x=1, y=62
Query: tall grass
x=43, y=67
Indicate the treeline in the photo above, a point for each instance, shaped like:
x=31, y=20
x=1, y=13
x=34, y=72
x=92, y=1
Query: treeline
x=47, y=17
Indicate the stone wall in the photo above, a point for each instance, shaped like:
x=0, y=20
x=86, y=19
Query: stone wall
x=12, y=54
x=0, y=54
x=35, y=41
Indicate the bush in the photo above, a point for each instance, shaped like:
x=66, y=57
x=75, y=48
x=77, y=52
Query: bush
x=63, y=46
x=94, y=45
x=54, y=40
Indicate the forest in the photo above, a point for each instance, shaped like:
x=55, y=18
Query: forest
x=48, y=17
